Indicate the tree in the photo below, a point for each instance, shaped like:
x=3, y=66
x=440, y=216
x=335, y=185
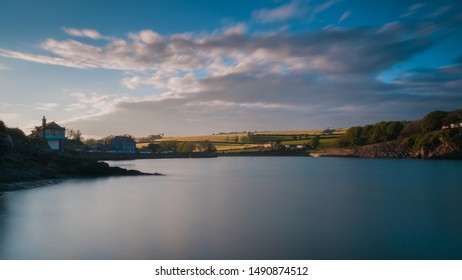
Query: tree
x=433, y=121
x=73, y=134
x=453, y=117
x=366, y=133
x=2, y=127
x=314, y=142
x=378, y=133
x=153, y=147
x=410, y=129
x=92, y=141
x=393, y=129
x=352, y=137
x=207, y=146
x=186, y=147
x=250, y=137
x=15, y=133
x=168, y=145
x=107, y=139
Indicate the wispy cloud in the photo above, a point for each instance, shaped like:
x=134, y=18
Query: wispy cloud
x=45, y=106
x=281, y=13
x=172, y=61
x=344, y=16
x=88, y=33
x=42, y=59
x=301, y=9
x=440, y=11
x=413, y=9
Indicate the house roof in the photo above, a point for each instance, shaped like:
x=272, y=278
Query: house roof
x=53, y=125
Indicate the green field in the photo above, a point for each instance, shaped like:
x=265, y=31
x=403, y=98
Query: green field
x=237, y=142
x=211, y=138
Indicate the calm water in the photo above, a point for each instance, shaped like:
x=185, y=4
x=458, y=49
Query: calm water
x=244, y=208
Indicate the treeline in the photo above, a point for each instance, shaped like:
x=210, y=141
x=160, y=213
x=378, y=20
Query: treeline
x=9, y=137
x=412, y=133
x=182, y=147
x=371, y=134
x=13, y=132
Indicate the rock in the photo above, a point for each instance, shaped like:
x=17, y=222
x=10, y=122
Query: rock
x=392, y=149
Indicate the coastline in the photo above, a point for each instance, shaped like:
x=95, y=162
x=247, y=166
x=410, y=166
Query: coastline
x=24, y=185
x=100, y=156
x=390, y=150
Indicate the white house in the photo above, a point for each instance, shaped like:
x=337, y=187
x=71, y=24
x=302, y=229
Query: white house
x=52, y=133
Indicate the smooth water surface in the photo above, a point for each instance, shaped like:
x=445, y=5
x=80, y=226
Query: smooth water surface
x=243, y=208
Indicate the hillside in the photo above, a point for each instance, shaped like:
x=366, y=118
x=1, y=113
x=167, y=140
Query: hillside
x=437, y=136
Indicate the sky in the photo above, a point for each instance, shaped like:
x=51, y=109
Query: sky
x=205, y=66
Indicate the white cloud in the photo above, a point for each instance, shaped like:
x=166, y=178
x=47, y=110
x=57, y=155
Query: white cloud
x=281, y=13
x=94, y=104
x=237, y=29
x=43, y=59
x=176, y=63
x=149, y=37
x=45, y=106
x=296, y=9
x=89, y=33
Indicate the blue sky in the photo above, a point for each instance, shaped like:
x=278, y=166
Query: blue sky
x=197, y=67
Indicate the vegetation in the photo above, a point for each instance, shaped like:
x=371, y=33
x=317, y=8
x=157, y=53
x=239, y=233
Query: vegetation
x=180, y=147
x=250, y=141
x=371, y=134
x=73, y=134
x=436, y=134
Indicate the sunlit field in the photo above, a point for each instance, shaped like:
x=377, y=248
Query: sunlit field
x=237, y=142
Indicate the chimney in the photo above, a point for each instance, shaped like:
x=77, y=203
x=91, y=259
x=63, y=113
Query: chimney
x=44, y=122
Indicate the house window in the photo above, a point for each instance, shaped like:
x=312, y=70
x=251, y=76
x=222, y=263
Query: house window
x=54, y=132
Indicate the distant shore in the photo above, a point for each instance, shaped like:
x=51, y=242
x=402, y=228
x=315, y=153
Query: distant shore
x=390, y=149
x=101, y=156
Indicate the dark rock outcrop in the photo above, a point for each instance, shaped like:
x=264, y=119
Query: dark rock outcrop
x=32, y=160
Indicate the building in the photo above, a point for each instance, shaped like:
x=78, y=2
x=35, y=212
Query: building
x=52, y=133
x=123, y=144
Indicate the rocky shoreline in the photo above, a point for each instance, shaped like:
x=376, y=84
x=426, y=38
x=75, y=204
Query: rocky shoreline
x=395, y=150
x=391, y=149
x=23, y=169
x=21, y=182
